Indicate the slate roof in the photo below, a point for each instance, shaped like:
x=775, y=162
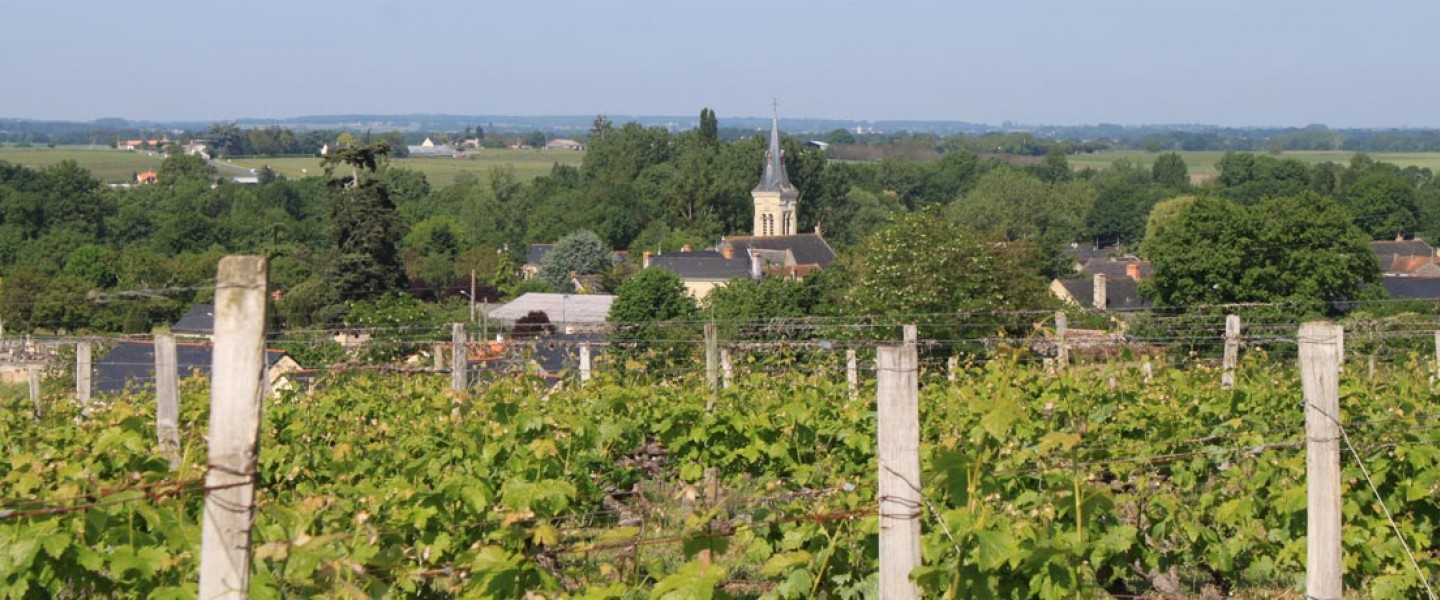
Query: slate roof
x=131, y=363
x=558, y=353
x=1387, y=249
x=774, y=179
x=1116, y=268
x=561, y=308
x=705, y=265
x=536, y=253
x=1120, y=294
x=199, y=320
x=1084, y=253
x=807, y=248
x=1413, y=288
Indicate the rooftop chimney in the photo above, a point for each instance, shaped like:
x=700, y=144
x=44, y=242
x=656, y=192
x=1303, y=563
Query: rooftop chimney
x=645, y=259
x=1132, y=270
x=1100, y=291
x=727, y=251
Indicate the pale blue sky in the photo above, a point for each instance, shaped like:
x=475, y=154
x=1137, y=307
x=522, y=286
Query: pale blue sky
x=1226, y=62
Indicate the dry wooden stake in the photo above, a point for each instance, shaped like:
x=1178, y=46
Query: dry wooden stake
x=237, y=370
x=727, y=372
x=459, y=362
x=1232, y=350
x=584, y=362
x=1320, y=382
x=898, y=428
x=1062, y=346
x=82, y=372
x=167, y=399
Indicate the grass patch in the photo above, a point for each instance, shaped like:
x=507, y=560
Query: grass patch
x=106, y=164
x=528, y=164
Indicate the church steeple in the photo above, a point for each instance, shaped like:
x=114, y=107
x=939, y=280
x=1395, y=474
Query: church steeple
x=776, y=199
x=774, y=179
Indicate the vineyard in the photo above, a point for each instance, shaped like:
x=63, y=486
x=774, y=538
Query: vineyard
x=1093, y=481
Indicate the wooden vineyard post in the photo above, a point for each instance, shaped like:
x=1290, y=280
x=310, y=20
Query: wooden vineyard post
x=437, y=354
x=910, y=335
x=712, y=358
x=237, y=373
x=32, y=371
x=727, y=369
x=1062, y=347
x=82, y=372
x=584, y=362
x=898, y=425
x=1232, y=350
x=852, y=373
x=1147, y=370
x=459, y=362
x=167, y=399
x=951, y=366
x=1320, y=381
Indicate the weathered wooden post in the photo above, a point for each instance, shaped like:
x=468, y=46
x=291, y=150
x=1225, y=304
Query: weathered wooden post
x=82, y=372
x=1320, y=382
x=32, y=372
x=951, y=366
x=1232, y=350
x=584, y=361
x=1062, y=347
x=1147, y=370
x=898, y=425
x=910, y=335
x=437, y=355
x=712, y=358
x=852, y=373
x=167, y=398
x=459, y=360
x=727, y=369
x=237, y=372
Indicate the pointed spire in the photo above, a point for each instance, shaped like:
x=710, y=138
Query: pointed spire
x=775, y=179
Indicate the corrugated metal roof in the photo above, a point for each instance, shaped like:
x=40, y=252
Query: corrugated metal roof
x=561, y=308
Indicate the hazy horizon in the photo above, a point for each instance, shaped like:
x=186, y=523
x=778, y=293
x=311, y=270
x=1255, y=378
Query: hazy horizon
x=1225, y=63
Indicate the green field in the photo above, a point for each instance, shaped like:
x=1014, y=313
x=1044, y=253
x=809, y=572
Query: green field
x=528, y=164
x=107, y=164
x=1202, y=164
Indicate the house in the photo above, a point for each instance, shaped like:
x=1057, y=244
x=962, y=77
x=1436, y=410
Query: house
x=569, y=312
x=564, y=144
x=145, y=177
x=198, y=322
x=534, y=255
x=1412, y=288
x=1406, y=258
x=429, y=149
x=1099, y=291
x=1117, y=268
x=775, y=247
x=198, y=148
x=130, y=364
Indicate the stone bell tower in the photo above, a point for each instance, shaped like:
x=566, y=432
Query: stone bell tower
x=777, y=201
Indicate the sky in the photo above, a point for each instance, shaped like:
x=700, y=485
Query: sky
x=1059, y=62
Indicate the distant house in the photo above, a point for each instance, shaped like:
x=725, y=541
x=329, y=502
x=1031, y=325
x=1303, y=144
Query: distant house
x=1102, y=292
x=146, y=177
x=569, y=312
x=1412, y=288
x=429, y=149
x=198, y=148
x=130, y=364
x=534, y=255
x=1406, y=258
x=790, y=256
x=564, y=144
x=198, y=322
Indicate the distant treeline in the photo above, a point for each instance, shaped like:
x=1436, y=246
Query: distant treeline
x=932, y=138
